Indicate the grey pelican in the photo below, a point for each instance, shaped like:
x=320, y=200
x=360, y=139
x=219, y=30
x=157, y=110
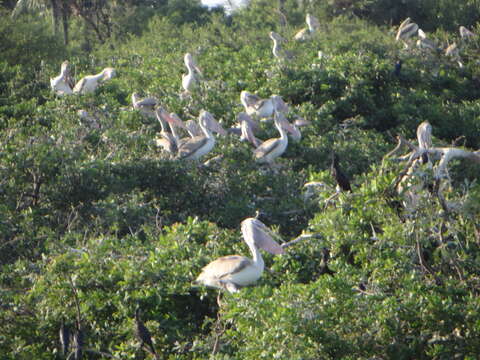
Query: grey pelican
x=247, y=126
x=198, y=146
x=194, y=128
x=278, y=51
x=313, y=25
x=424, y=137
x=189, y=80
x=465, y=33
x=89, y=83
x=62, y=84
x=269, y=150
x=166, y=140
x=234, y=272
x=146, y=105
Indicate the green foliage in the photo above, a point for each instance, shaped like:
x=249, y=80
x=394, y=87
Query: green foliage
x=102, y=216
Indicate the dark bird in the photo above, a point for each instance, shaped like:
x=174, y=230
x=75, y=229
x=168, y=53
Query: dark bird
x=78, y=342
x=324, y=269
x=342, y=181
x=143, y=334
x=398, y=68
x=64, y=335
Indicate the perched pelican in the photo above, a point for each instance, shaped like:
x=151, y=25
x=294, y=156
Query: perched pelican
x=424, y=136
x=262, y=108
x=421, y=34
x=269, y=150
x=146, y=105
x=189, y=80
x=62, y=84
x=424, y=43
x=406, y=31
x=196, y=147
x=313, y=25
x=342, y=181
x=143, y=334
x=278, y=51
x=465, y=33
x=166, y=140
x=234, y=272
x=89, y=83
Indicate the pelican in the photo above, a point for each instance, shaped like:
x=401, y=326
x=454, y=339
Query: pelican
x=89, y=83
x=234, y=272
x=278, y=51
x=166, y=140
x=262, y=108
x=189, y=80
x=313, y=25
x=465, y=33
x=269, y=150
x=424, y=43
x=406, y=31
x=424, y=136
x=143, y=334
x=62, y=84
x=196, y=147
x=146, y=105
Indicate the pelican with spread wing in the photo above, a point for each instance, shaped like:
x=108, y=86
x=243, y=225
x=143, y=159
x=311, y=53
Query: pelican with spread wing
x=235, y=271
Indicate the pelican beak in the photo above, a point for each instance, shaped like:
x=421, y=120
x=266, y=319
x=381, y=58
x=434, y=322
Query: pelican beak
x=214, y=125
x=268, y=244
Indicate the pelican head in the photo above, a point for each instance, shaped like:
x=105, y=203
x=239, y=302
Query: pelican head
x=282, y=121
x=108, y=73
x=279, y=104
x=259, y=235
x=275, y=36
x=190, y=63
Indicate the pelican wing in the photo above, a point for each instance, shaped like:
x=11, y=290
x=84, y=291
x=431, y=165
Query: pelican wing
x=254, y=229
x=265, y=148
x=224, y=267
x=251, y=99
x=191, y=146
x=193, y=128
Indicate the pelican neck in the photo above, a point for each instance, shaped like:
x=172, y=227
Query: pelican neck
x=256, y=256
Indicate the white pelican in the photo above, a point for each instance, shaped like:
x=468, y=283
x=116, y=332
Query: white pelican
x=269, y=150
x=278, y=51
x=465, y=33
x=189, y=80
x=89, y=83
x=262, y=108
x=424, y=137
x=146, y=105
x=62, y=84
x=194, y=148
x=235, y=271
x=313, y=25
x=166, y=140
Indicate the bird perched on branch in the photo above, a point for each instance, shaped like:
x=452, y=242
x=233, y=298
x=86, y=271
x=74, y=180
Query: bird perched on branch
x=424, y=137
x=324, y=269
x=143, y=334
x=342, y=181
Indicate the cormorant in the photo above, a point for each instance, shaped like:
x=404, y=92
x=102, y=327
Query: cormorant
x=143, y=334
x=341, y=179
